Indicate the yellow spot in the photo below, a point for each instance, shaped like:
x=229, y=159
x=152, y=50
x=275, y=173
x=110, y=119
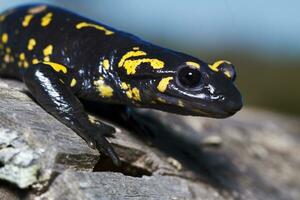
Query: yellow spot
x=227, y=73
x=161, y=100
x=47, y=59
x=57, y=67
x=73, y=82
x=129, y=55
x=136, y=48
x=26, y=64
x=20, y=64
x=31, y=44
x=217, y=64
x=8, y=50
x=180, y=103
x=4, y=38
x=136, y=94
x=106, y=64
x=48, y=50
x=193, y=64
x=124, y=86
x=27, y=20
x=35, y=61
x=129, y=94
x=105, y=90
x=6, y=58
x=163, y=84
x=37, y=9
x=131, y=65
x=22, y=56
x=98, y=27
x=46, y=19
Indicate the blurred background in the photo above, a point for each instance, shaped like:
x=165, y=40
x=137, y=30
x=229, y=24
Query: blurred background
x=262, y=38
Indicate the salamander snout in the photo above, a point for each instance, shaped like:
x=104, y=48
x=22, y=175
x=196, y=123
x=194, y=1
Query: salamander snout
x=233, y=103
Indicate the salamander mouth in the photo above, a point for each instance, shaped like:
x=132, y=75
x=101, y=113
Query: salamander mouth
x=210, y=108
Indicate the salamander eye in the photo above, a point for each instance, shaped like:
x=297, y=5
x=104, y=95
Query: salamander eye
x=189, y=77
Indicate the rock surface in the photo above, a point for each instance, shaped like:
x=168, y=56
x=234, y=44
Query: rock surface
x=253, y=155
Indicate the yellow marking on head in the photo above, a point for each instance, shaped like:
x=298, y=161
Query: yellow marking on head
x=129, y=55
x=131, y=65
x=227, y=73
x=161, y=100
x=136, y=94
x=73, y=82
x=37, y=9
x=180, y=103
x=124, y=86
x=106, y=64
x=136, y=48
x=46, y=19
x=57, y=67
x=193, y=64
x=48, y=50
x=8, y=50
x=35, y=61
x=31, y=44
x=163, y=84
x=133, y=93
x=26, y=20
x=129, y=94
x=4, y=38
x=217, y=64
x=22, y=56
x=96, y=26
x=105, y=90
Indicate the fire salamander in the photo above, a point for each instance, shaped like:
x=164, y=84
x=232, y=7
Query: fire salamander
x=64, y=59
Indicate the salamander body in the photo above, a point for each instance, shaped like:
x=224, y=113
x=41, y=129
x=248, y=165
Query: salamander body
x=64, y=58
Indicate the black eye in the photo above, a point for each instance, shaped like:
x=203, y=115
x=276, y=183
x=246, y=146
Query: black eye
x=189, y=77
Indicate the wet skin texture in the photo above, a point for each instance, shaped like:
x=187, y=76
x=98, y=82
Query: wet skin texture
x=64, y=58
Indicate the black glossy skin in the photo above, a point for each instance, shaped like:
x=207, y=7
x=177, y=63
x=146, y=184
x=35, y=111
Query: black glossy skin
x=92, y=55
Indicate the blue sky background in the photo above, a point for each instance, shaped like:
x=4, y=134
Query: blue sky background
x=270, y=27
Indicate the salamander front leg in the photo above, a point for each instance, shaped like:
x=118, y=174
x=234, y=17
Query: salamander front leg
x=56, y=98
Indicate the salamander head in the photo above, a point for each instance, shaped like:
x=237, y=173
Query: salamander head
x=178, y=83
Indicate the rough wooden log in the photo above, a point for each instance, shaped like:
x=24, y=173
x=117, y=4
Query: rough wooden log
x=253, y=155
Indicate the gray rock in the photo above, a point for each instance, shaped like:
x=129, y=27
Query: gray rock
x=253, y=155
x=107, y=185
